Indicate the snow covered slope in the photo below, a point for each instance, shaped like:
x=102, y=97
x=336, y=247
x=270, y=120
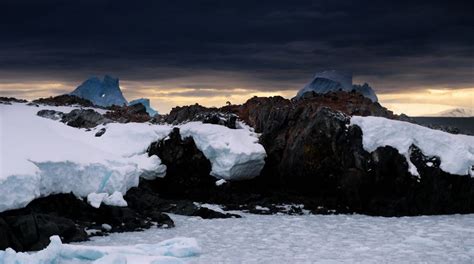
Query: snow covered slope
x=457, y=112
x=146, y=103
x=455, y=151
x=168, y=251
x=331, y=81
x=40, y=156
x=235, y=154
x=104, y=92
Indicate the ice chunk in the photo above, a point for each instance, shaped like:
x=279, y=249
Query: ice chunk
x=146, y=103
x=104, y=92
x=95, y=199
x=116, y=199
x=235, y=154
x=168, y=251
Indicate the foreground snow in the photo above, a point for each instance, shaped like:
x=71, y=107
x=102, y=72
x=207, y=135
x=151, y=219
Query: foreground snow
x=168, y=251
x=39, y=156
x=318, y=239
x=455, y=151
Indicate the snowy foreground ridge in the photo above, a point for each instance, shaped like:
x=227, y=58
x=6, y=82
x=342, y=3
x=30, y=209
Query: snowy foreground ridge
x=456, y=152
x=168, y=251
x=39, y=156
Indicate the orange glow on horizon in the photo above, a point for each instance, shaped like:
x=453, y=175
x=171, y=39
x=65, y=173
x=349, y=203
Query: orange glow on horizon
x=165, y=96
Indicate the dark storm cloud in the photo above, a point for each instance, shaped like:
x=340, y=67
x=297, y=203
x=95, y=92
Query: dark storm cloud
x=277, y=44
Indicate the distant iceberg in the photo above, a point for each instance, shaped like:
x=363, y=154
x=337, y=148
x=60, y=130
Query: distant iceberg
x=146, y=103
x=332, y=81
x=104, y=92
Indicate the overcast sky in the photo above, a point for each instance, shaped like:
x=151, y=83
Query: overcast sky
x=417, y=54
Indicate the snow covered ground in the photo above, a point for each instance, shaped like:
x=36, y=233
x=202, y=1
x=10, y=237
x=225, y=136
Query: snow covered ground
x=317, y=239
x=455, y=151
x=40, y=156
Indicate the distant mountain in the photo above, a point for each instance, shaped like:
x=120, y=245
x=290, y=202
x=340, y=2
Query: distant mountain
x=104, y=92
x=330, y=81
x=146, y=103
x=457, y=112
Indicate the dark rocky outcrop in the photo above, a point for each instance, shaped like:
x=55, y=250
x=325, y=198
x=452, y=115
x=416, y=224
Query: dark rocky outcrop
x=224, y=116
x=9, y=100
x=29, y=228
x=64, y=100
x=51, y=114
x=314, y=157
x=187, y=169
x=125, y=114
x=84, y=118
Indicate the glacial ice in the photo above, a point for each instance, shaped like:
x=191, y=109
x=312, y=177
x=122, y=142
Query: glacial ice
x=331, y=81
x=146, y=103
x=168, y=251
x=104, y=92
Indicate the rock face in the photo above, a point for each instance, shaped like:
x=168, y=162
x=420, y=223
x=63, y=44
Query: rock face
x=104, y=92
x=187, y=169
x=333, y=81
x=315, y=157
x=146, y=103
x=64, y=215
x=312, y=151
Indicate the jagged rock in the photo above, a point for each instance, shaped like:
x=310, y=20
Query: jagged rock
x=83, y=118
x=29, y=228
x=64, y=100
x=221, y=116
x=125, y=114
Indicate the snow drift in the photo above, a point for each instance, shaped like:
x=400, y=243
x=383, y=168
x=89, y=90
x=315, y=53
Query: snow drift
x=168, y=251
x=456, y=152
